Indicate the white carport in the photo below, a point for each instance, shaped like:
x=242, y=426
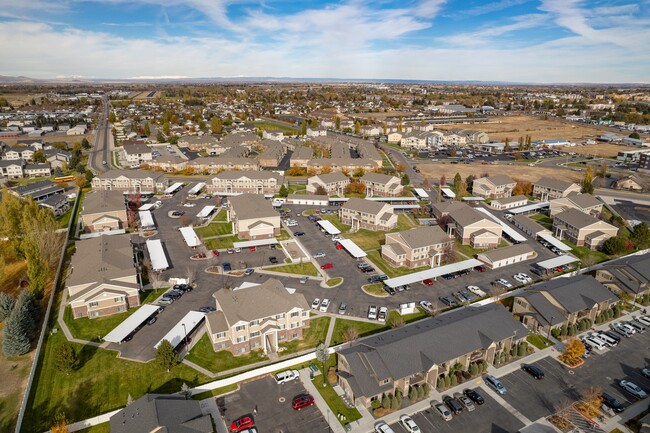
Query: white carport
x=512, y=233
x=174, y=188
x=146, y=219
x=257, y=243
x=148, y=206
x=157, y=255
x=206, y=211
x=432, y=273
x=352, y=248
x=554, y=241
x=121, y=331
x=329, y=227
x=196, y=189
x=557, y=261
x=535, y=207
x=448, y=193
x=186, y=324
x=191, y=239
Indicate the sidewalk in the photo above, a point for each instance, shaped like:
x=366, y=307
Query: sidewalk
x=335, y=425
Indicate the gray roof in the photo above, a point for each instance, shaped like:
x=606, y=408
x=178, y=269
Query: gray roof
x=506, y=252
x=531, y=225
x=9, y=162
x=415, y=348
x=508, y=200
x=576, y=293
x=366, y=206
x=498, y=180
x=131, y=174
x=546, y=312
x=247, y=206
x=164, y=413
x=244, y=304
x=103, y=201
x=378, y=178
x=555, y=184
x=446, y=207
x=638, y=267
x=336, y=176
x=133, y=148
x=103, y=257
x=469, y=215
x=584, y=200
x=302, y=152
x=31, y=188
x=251, y=174
x=54, y=201
x=422, y=236
x=577, y=218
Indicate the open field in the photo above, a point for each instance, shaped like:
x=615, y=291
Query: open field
x=18, y=99
x=513, y=127
x=517, y=171
x=598, y=150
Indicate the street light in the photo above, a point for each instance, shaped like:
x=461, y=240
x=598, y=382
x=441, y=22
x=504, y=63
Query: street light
x=185, y=329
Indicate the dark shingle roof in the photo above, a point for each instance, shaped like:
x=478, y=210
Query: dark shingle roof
x=576, y=293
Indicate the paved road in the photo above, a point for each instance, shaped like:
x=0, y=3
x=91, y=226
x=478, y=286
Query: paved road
x=101, y=147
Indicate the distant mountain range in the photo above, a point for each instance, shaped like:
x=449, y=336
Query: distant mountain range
x=6, y=79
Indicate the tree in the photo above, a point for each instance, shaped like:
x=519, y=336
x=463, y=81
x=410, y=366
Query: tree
x=574, y=348
x=350, y=334
x=147, y=129
x=358, y=172
x=186, y=391
x=337, y=122
x=160, y=138
x=166, y=356
x=320, y=190
x=326, y=169
x=85, y=144
x=303, y=127
x=587, y=187
x=216, y=127
x=405, y=179
x=65, y=357
x=284, y=191
x=36, y=271
x=17, y=333
x=357, y=127
x=39, y=157
x=60, y=424
x=322, y=355
x=395, y=321
x=506, y=146
x=640, y=236
x=112, y=118
x=7, y=303
x=426, y=184
x=635, y=135
x=614, y=246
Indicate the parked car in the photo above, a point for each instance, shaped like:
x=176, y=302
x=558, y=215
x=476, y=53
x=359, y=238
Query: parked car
x=315, y=304
x=303, y=280
x=474, y=396
x=633, y=389
x=621, y=330
x=207, y=309
x=273, y=260
x=184, y=288
x=428, y=282
x=428, y=306
x=343, y=308
x=454, y=406
x=215, y=253
x=242, y=423
x=495, y=384
x=165, y=301
x=372, y=312
x=613, y=403
x=324, y=305
x=151, y=320
x=466, y=402
x=339, y=246
x=450, y=302
x=644, y=320
x=248, y=272
x=301, y=401
x=383, y=313
x=638, y=327
x=480, y=268
x=382, y=427
x=319, y=254
x=238, y=250
x=327, y=266
x=534, y=371
x=409, y=425
x=252, y=249
x=286, y=376
x=389, y=290
x=477, y=291
x=646, y=372
x=441, y=410
x=226, y=266
x=504, y=283
x=230, y=250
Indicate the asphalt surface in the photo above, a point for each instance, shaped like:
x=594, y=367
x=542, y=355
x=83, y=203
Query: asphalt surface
x=274, y=412
x=101, y=147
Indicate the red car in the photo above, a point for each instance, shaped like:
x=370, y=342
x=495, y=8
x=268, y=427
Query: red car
x=242, y=423
x=215, y=253
x=428, y=282
x=302, y=400
x=252, y=248
x=480, y=268
x=327, y=266
x=339, y=246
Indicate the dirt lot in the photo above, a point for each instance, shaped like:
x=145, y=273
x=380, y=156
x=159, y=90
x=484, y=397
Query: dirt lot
x=513, y=127
x=19, y=99
x=598, y=150
x=517, y=171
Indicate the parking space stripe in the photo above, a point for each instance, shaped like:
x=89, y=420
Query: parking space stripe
x=505, y=404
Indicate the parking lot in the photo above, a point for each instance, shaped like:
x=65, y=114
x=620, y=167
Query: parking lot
x=274, y=410
x=490, y=417
x=606, y=369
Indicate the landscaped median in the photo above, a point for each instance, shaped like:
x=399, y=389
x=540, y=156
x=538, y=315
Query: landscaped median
x=203, y=354
x=334, y=281
x=375, y=289
x=213, y=229
x=305, y=268
x=335, y=402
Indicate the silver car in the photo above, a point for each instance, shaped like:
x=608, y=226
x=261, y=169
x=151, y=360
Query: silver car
x=633, y=389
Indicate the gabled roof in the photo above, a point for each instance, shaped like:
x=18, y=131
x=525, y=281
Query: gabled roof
x=555, y=184
x=506, y=252
x=101, y=258
x=498, y=180
x=576, y=293
x=333, y=177
x=134, y=148
x=366, y=206
x=579, y=219
x=250, y=174
x=421, y=236
x=378, y=178
x=584, y=200
x=469, y=216
x=131, y=174
x=249, y=206
x=103, y=201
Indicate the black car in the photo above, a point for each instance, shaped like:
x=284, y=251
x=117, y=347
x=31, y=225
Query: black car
x=367, y=269
x=451, y=302
x=612, y=335
x=448, y=276
x=226, y=266
x=172, y=295
x=454, y=405
x=374, y=279
x=182, y=287
x=474, y=396
x=299, y=233
x=273, y=260
x=534, y=371
x=207, y=309
x=382, y=277
x=389, y=290
x=611, y=401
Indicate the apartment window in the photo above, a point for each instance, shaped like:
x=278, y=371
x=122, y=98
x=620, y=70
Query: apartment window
x=281, y=327
x=241, y=339
x=240, y=328
x=241, y=350
x=255, y=345
x=305, y=314
x=282, y=337
x=295, y=314
x=295, y=325
x=279, y=316
x=94, y=314
x=254, y=323
x=384, y=382
x=255, y=334
x=118, y=299
x=220, y=335
x=93, y=304
x=294, y=335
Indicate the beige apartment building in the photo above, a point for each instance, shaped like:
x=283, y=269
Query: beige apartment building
x=629, y=275
x=422, y=246
x=582, y=229
x=382, y=185
x=586, y=203
x=471, y=227
x=370, y=215
x=548, y=189
x=131, y=181
x=239, y=182
x=242, y=323
x=499, y=186
x=103, y=211
x=334, y=183
x=253, y=217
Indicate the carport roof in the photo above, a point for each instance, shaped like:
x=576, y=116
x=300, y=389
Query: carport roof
x=432, y=273
x=554, y=241
x=557, y=261
x=257, y=243
x=529, y=208
x=352, y=248
x=448, y=192
x=177, y=333
x=329, y=227
x=129, y=325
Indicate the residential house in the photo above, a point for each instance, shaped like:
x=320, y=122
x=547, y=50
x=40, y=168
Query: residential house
x=168, y=413
x=58, y=204
x=441, y=210
x=582, y=229
x=630, y=183
x=499, y=186
x=629, y=275
x=505, y=256
x=37, y=170
x=509, y=202
x=273, y=135
x=137, y=153
x=420, y=353
x=547, y=188
x=131, y=181
x=334, y=183
x=370, y=215
x=272, y=155
x=103, y=211
x=239, y=182
x=102, y=279
x=586, y=203
x=382, y=185
x=316, y=132
x=37, y=191
x=242, y=323
x=57, y=158
x=342, y=164
x=12, y=169
x=562, y=301
x=19, y=152
x=253, y=217
x=422, y=246
x=474, y=228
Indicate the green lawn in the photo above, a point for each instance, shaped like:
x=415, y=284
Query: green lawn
x=215, y=392
x=14, y=371
x=100, y=383
x=312, y=336
x=582, y=252
x=363, y=328
x=375, y=257
x=64, y=219
x=404, y=222
x=305, y=268
x=408, y=318
x=538, y=341
x=272, y=126
x=204, y=355
x=221, y=216
x=221, y=243
x=367, y=240
x=375, y=289
x=467, y=250
x=92, y=329
x=334, y=219
x=284, y=235
x=335, y=402
x=100, y=428
x=297, y=189
x=542, y=219
x=214, y=229
x=333, y=281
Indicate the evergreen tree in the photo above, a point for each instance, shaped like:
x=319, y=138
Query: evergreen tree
x=385, y=402
x=284, y=191
x=641, y=236
x=18, y=329
x=147, y=129
x=65, y=357
x=6, y=305
x=216, y=126
x=166, y=356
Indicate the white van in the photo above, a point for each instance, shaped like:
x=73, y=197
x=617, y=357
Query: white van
x=596, y=343
x=607, y=339
x=643, y=319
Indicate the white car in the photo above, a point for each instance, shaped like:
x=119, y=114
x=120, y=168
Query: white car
x=644, y=320
x=319, y=254
x=315, y=304
x=324, y=305
x=476, y=290
x=157, y=204
x=372, y=312
x=382, y=427
x=189, y=204
x=286, y=376
x=633, y=389
x=383, y=314
x=504, y=283
x=441, y=410
x=519, y=278
x=428, y=306
x=525, y=277
x=238, y=250
x=408, y=424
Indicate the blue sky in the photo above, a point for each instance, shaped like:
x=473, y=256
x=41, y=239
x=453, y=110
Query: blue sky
x=541, y=41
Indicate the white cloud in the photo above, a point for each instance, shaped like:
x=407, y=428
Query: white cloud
x=486, y=35
x=494, y=7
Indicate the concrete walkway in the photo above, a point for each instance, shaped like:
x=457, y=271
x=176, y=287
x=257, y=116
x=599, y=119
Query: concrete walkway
x=330, y=331
x=335, y=425
x=64, y=327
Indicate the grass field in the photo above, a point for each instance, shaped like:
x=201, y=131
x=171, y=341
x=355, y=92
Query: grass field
x=598, y=150
x=204, y=355
x=334, y=219
x=375, y=257
x=335, y=402
x=542, y=219
x=312, y=336
x=221, y=243
x=273, y=126
x=214, y=229
x=363, y=328
x=221, y=216
x=538, y=341
x=305, y=268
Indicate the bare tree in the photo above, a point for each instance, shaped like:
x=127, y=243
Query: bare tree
x=395, y=321
x=350, y=334
x=190, y=274
x=450, y=254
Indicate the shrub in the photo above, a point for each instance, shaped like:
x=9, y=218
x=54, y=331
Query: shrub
x=453, y=380
x=563, y=331
x=375, y=404
x=466, y=375
x=420, y=392
x=395, y=403
x=385, y=402
x=441, y=382
x=483, y=366
x=473, y=369
x=447, y=381
x=427, y=389
x=555, y=332
x=521, y=350
x=571, y=330
x=413, y=392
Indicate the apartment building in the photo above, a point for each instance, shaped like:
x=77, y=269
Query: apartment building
x=582, y=229
x=242, y=323
x=103, y=211
x=137, y=153
x=131, y=181
x=586, y=203
x=382, y=185
x=499, y=186
x=253, y=217
x=249, y=181
x=422, y=246
x=334, y=183
x=548, y=189
x=370, y=215
x=474, y=228
x=630, y=275
x=509, y=202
